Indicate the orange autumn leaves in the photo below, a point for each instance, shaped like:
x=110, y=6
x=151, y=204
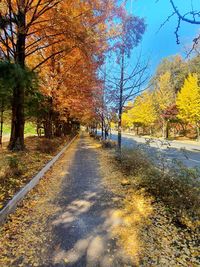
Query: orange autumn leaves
x=72, y=75
x=65, y=43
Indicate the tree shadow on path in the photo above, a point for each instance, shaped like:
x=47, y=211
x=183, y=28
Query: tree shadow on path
x=83, y=226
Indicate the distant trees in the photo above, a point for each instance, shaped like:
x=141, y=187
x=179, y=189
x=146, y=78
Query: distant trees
x=169, y=115
x=174, y=99
x=164, y=96
x=142, y=112
x=177, y=67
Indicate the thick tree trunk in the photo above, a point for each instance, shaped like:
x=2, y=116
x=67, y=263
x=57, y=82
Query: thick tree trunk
x=18, y=120
x=67, y=128
x=58, y=130
x=48, y=128
x=17, y=127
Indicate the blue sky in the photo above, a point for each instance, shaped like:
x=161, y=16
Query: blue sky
x=158, y=45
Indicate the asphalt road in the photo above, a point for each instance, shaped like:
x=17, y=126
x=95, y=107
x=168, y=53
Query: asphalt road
x=188, y=154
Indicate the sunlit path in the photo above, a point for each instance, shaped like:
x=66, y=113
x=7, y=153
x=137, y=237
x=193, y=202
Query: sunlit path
x=83, y=227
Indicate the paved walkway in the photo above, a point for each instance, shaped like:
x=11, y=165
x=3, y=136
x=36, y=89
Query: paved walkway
x=82, y=229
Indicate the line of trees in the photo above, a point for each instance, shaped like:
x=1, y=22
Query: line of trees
x=156, y=106
x=53, y=50
x=172, y=102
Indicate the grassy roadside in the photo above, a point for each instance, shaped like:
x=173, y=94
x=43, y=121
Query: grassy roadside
x=30, y=128
x=16, y=169
x=159, y=211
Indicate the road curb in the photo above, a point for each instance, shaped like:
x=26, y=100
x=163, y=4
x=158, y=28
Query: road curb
x=18, y=197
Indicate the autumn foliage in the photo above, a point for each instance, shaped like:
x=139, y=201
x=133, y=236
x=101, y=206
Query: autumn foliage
x=65, y=43
x=173, y=102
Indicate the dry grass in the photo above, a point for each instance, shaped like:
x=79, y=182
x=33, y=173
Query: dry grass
x=159, y=214
x=109, y=144
x=17, y=168
x=134, y=208
x=177, y=187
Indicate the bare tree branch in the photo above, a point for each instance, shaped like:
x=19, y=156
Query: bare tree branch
x=53, y=55
x=183, y=17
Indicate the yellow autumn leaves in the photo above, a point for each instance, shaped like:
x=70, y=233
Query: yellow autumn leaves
x=148, y=107
x=188, y=100
x=142, y=111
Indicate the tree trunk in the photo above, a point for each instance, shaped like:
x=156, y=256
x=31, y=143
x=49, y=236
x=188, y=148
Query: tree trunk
x=48, y=123
x=167, y=130
x=67, y=128
x=17, y=126
x=96, y=129
x=58, y=129
x=121, y=105
x=106, y=133
x=137, y=130
x=102, y=128
x=120, y=130
x=48, y=128
x=18, y=120
x=163, y=129
x=198, y=133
